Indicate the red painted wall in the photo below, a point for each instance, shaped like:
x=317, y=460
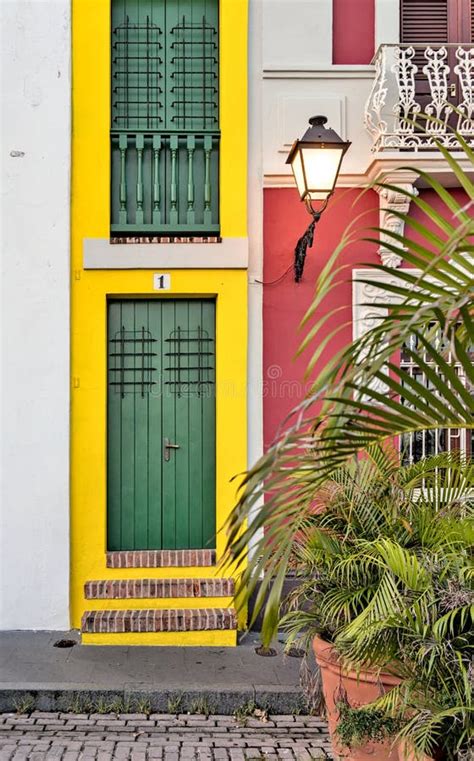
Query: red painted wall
x=353, y=31
x=434, y=200
x=285, y=303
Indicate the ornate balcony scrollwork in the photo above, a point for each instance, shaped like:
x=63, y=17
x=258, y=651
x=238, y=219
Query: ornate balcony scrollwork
x=465, y=73
x=420, y=95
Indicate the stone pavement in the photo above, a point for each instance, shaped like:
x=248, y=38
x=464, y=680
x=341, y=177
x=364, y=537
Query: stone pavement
x=31, y=664
x=105, y=737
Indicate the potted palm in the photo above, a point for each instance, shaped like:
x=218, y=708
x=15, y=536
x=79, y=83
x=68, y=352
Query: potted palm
x=355, y=503
x=382, y=536
x=362, y=399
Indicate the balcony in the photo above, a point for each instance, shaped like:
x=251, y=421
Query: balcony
x=165, y=183
x=417, y=81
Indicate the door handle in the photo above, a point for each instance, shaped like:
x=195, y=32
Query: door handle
x=167, y=445
x=452, y=90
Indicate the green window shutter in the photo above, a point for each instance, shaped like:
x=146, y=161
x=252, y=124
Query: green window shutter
x=165, y=117
x=138, y=64
x=192, y=55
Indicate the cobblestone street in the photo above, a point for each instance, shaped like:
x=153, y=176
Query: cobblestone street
x=103, y=737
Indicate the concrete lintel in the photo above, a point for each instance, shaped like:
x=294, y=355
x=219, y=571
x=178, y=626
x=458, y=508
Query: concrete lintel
x=100, y=254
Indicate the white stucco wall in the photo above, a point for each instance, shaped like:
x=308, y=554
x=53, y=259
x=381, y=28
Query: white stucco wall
x=35, y=157
x=297, y=31
x=387, y=22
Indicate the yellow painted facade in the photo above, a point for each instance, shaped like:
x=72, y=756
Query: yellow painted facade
x=91, y=289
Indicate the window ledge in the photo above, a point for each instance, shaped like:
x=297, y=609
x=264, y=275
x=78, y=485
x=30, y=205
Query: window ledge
x=101, y=254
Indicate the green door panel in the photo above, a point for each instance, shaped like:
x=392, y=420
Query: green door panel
x=161, y=389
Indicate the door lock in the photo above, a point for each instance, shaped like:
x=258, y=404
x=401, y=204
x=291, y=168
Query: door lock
x=167, y=445
x=452, y=90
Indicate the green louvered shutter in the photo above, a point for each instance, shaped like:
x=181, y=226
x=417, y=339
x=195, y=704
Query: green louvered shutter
x=165, y=117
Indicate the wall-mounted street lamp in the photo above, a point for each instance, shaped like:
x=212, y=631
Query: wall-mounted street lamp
x=315, y=161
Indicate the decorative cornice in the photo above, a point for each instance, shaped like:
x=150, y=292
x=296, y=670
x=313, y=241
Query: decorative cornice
x=390, y=163
x=318, y=72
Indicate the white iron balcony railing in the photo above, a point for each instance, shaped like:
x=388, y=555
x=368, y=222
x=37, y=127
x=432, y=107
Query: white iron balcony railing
x=417, y=81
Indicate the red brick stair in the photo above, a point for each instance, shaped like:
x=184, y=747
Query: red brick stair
x=161, y=558
x=167, y=620
x=157, y=588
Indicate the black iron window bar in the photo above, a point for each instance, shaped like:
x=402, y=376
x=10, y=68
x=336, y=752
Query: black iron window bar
x=182, y=376
x=136, y=344
x=193, y=103
x=137, y=60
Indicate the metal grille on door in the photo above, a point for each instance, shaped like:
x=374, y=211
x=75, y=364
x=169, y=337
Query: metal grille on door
x=131, y=361
x=191, y=367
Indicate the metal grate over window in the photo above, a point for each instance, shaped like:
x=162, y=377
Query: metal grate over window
x=194, y=75
x=137, y=62
x=131, y=362
x=425, y=443
x=165, y=75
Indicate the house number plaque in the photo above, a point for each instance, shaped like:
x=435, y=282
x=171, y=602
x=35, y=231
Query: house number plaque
x=161, y=282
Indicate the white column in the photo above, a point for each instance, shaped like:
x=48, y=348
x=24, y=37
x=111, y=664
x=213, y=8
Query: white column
x=255, y=217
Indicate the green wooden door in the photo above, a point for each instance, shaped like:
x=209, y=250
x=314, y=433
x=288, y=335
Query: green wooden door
x=161, y=424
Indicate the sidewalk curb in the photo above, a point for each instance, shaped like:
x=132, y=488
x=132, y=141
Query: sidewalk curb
x=283, y=700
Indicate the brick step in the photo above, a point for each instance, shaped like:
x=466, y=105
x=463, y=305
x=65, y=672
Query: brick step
x=161, y=558
x=167, y=620
x=157, y=588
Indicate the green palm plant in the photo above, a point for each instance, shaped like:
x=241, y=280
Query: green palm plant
x=380, y=569
x=386, y=573
x=370, y=513
x=346, y=412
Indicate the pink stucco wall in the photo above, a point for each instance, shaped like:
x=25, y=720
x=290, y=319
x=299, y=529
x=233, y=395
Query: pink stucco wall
x=353, y=31
x=286, y=302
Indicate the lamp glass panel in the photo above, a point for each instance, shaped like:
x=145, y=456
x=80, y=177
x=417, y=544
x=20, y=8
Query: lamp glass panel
x=297, y=168
x=321, y=167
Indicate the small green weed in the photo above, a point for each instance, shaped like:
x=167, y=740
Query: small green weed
x=142, y=705
x=116, y=705
x=359, y=725
x=79, y=704
x=300, y=707
x=25, y=703
x=250, y=710
x=201, y=705
x=175, y=703
x=101, y=705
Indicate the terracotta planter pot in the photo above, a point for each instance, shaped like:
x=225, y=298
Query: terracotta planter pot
x=360, y=689
x=405, y=753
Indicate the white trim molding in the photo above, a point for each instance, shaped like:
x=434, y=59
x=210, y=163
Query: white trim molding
x=334, y=71
x=369, y=305
x=368, y=301
x=100, y=254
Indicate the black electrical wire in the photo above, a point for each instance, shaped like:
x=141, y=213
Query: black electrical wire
x=278, y=279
